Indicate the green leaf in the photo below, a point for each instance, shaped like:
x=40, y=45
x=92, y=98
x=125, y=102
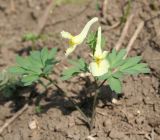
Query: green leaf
x=140, y=66
x=136, y=71
x=26, y=64
x=17, y=69
x=34, y=70
x=23, y=62
x=145, y=70
x=91, y=40
x=70, y=72
x=118, y=60
x=44, y=55
x=111, y=56
x=38, y=109
x=115, y=84
x=48, y=69
x=118, y=74
x=52, y=53
x=105, y=76
x=34, y=63
x=130, y=71
x=29, y=79
x=36, y=55
x=30, y=37
x=98, y=7
x=66, y=77
x=80, y=63
x=130, y=62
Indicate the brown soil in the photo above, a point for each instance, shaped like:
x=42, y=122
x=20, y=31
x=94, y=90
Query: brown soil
x=137, y=115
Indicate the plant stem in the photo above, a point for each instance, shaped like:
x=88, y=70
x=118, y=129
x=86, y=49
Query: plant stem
x=74, y=103
x=33, y=46
x=94, y=104
x=94, y=108
x=89, y=122
x=41, y=82
x=69, y=98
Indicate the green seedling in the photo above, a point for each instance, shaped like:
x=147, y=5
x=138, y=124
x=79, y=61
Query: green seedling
x=34, y=38
x=98, y=7
x=31, y=37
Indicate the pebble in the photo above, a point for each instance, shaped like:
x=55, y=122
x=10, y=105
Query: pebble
x=33, y=125
x=114, y=134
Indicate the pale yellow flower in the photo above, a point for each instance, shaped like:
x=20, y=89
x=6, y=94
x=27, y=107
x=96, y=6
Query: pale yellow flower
x=78, y=39
x=100, y=65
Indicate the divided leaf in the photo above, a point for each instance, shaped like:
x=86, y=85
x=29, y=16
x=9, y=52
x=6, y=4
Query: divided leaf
x=79, y=65
x=17, y=69
x=52, y=53
x=44, y=55
x=116, y=58
x=120, y=67
x=35, y=65
x=130, y=62
x=29, y=79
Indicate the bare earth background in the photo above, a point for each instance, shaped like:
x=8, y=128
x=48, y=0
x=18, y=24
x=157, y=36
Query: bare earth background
x=137, y=117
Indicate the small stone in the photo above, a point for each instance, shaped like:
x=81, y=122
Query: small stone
x=138, y=112
x=107, y=124
x=90, y=138
x=114, y=101
x=33, y=124
x=114, y=134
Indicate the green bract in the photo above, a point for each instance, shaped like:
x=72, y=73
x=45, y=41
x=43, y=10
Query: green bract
x=92, y=41
x=34, y=66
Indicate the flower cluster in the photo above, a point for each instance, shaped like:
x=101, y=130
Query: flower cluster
x=100, y=64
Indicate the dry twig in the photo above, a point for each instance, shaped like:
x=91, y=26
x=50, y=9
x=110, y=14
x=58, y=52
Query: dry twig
x=72, y=17
x=104, y=9
x=117, y=24
x=29, y=2
x=12, y=6
x=8, y=122
x=124, y=32
x=43, y=19
x=134, y=37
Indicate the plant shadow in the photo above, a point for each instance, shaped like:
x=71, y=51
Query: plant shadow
x=19, y=97
x=57, y=100
x=84, y=99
